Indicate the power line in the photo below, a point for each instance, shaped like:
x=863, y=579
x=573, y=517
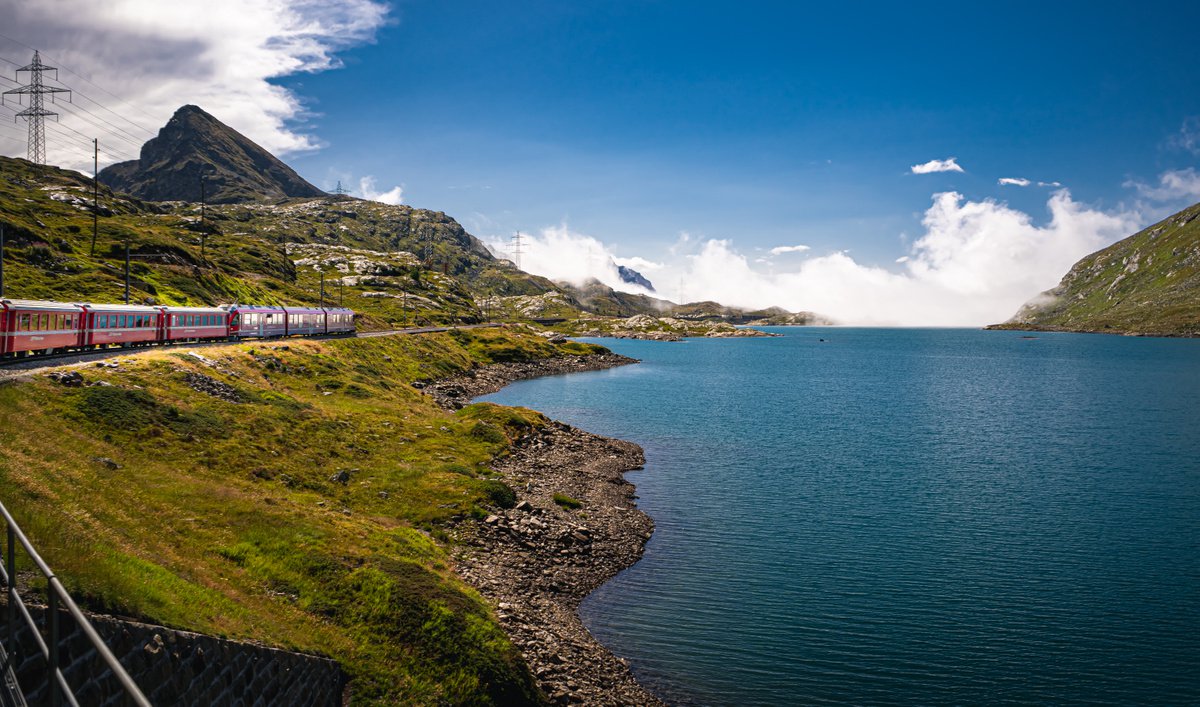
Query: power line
x=73, y=73
x=127, y=137
x=87, y=141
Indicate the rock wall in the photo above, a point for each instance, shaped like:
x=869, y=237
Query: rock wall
x=178, y=668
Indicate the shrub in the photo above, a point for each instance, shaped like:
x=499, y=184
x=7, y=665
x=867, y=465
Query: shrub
x=566, y=501
x=488, y=433
x=499, y=493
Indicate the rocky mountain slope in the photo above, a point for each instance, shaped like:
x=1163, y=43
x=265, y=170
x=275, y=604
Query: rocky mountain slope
x=1148, y=283
x=193, y=146
x=266, y=236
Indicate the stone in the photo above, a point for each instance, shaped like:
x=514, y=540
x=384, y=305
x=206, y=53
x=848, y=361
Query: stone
x=342, y=477
x=71, y=379
x=108, y=463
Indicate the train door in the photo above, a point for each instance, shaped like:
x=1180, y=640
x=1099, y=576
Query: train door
x=5, y=316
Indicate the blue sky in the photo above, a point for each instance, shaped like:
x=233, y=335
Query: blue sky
x=767, y=123
x=698, y=136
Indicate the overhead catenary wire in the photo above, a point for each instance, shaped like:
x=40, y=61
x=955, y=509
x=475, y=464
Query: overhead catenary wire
x=87, y=97
x=87, y=143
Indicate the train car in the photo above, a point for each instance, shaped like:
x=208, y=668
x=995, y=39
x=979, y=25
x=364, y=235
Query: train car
x=339, y=320
x=194, y=323
x=305, y=321
x=32, y=326
x=121, y=325
x=253, y=321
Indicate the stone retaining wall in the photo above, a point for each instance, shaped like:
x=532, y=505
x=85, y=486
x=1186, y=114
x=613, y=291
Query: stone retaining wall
x=178, y=668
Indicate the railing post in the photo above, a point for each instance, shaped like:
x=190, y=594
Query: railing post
x=10, y=561
x=52, y=642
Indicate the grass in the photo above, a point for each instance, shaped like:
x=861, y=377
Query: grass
x=226, y=518
x=567, y=502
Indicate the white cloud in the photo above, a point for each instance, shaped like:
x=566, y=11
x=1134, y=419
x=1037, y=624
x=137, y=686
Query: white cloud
x=1172, y=185
x=976, y=263
x=562, y=254
x=947, y=165
x=1188, y=137
x=1050, y=184
x=221, y=55
x=1014, y=181
x=781, y=249
x=393, y=196
x=640, y=264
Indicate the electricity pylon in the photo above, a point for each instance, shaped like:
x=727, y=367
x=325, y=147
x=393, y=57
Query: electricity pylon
x=36, y=113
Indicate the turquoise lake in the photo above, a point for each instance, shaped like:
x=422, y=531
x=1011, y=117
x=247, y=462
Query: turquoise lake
x=874, y=516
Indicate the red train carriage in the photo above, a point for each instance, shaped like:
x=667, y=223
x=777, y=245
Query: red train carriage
x=121, y=324
x=194, y=323
x=250, y=320
x=305, y=321
x=28, y=326
x=339, y=320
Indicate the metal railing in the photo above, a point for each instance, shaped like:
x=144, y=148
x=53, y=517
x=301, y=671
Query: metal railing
x=57, y=599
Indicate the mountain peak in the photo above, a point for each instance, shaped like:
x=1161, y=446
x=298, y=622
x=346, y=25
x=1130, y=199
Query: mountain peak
x=195, y=145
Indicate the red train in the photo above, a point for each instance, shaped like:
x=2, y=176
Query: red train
x=30, y=327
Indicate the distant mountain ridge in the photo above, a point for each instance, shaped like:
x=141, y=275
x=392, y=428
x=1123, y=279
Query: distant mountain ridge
x=633, y=277
x=1148, y=283
x=195, y=145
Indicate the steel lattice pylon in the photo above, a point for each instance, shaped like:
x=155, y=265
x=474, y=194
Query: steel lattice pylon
x=36, y=113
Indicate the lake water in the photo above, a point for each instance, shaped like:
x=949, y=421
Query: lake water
x=905, y=516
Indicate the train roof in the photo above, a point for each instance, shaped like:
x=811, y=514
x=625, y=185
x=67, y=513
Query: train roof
x=251, y=308
x=134, y=308
x=194, y=310
x=39, y=304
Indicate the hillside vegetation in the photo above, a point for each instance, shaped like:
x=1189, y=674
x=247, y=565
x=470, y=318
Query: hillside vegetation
x=295, y=493
x=1148, y=283
x=240, y=252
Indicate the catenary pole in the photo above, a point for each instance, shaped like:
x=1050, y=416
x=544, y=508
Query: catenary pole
x=95, y=193
x=127, y=271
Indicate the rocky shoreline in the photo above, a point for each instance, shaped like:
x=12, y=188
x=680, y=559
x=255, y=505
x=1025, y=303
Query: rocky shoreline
x=456, y=391
x=575, y=525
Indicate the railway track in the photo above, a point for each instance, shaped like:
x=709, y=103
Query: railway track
x=24, y=365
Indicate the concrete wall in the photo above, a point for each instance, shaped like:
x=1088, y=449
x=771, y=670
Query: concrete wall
x=179, y=668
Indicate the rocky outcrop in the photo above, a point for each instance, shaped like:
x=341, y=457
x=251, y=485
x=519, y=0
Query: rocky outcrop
x=644, y=326
x=193, y=146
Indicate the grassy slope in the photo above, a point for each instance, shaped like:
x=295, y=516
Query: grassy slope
x=1147, y=283
x=223, y=518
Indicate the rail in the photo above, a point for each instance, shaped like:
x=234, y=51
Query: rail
x=57, y=599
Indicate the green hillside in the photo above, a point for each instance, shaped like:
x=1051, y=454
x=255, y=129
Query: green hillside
x=395, y=264
x=1148, y=283
x=295, y=493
